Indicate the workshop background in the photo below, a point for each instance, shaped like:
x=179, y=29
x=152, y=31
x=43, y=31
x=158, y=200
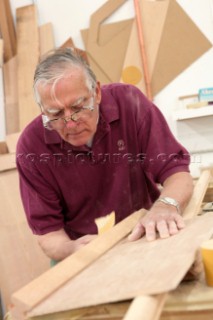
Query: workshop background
x=171, y=61
x=178, y=37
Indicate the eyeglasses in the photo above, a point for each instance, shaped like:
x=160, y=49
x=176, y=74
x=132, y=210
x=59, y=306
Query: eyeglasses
x=83, y=113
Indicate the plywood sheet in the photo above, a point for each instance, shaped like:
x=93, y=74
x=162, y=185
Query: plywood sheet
x=30, y=295
x=21, y=258
x=132, y=269
x=28, y=55
x=11, y=95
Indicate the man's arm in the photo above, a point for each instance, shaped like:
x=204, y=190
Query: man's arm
x=163, y=218
x=57, y=245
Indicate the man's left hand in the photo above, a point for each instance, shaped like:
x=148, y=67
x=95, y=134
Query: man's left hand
x=160, y=219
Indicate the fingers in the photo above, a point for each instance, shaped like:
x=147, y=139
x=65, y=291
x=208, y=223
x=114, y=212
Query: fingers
x=164, y=226
x=137, y=232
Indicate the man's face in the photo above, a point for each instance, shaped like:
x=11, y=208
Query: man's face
x=71, y=94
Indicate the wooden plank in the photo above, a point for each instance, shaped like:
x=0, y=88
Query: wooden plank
x=7, y=29
x=11, y=95
x=1, y=52
x=21, y=258
x=3, y=147
x=46, y=37
x=194, y=206
x=190, y=299
x=11, y=141
x=29, y=296
x=145, y=305
x=7, y=162
x=148, y=271
x=2, y=123
x=28, y=56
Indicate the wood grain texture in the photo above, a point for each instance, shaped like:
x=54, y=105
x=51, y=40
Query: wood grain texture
x=46, y=38
x=28, y=55
x=11, y=95
x=201, y=186
x=132, y=269
x=191, y=300
x=21, y=258
x=36, y=291
x=1, y=52
x=11, y=141
x=7, y=162
x=148, y=306
x=7, y=30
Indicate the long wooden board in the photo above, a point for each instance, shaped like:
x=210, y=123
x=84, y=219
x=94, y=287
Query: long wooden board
x=21, y=258
x=7, y=29
x=11, y=95
x=28, y=55
x=36, y=291
x=46, y=38
x=131, y=269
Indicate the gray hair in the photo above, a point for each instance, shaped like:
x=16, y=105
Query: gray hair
x=55, y=64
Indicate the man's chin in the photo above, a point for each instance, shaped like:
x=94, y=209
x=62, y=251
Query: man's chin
x=76, y=142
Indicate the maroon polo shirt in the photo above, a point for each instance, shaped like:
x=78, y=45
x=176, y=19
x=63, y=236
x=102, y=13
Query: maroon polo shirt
x=133, y=150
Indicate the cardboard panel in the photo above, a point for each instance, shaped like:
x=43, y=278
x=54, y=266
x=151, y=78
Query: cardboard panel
x=107, y=55
x=180, y=45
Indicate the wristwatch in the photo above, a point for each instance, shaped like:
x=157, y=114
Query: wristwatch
x=170, y=201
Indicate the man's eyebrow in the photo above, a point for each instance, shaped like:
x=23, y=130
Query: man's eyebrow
x=78, y=101
x=53, y=110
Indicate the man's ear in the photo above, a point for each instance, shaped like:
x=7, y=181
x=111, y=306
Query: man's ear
x=98, y=92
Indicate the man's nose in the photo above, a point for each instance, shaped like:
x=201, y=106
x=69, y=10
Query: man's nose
x=70, y=123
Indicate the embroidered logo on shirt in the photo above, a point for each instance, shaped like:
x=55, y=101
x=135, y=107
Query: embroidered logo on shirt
x=121, y=145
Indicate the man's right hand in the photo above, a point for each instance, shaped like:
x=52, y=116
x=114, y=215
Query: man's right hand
x=57, y=245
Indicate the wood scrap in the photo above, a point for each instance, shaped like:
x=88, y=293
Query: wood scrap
x=7, y=30
x=143, y=49
x=21, y=258
x=11, y=141
x=46, y=38
x=28, y=56
x=11, y=95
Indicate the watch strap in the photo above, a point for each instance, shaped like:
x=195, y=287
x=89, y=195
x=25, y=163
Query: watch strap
x=170, y=201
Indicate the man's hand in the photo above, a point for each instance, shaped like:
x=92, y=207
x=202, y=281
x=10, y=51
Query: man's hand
x=81, y=242
x=57, y=245
x=161, y=219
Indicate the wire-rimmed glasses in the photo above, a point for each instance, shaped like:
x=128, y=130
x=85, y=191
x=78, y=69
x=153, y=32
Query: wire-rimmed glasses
x=81, y=114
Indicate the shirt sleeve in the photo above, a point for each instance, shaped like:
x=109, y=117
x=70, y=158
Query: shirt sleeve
x=162, y=154
x=41, y=202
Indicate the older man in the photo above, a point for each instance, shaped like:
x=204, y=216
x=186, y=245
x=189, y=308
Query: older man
x=96, y=149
